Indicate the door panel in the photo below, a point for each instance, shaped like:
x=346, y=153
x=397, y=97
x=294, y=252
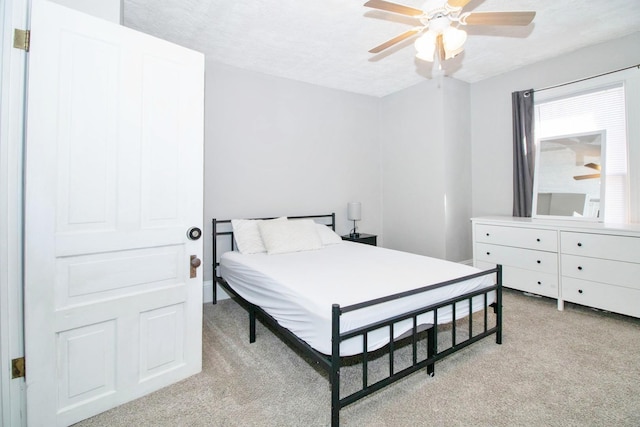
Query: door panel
x=161, y=340
x=88, y=355
x=91, y=278
x=113, y=183
x=88, y=133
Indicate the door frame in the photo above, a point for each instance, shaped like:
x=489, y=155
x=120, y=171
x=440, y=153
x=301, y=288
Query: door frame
x=14, y=14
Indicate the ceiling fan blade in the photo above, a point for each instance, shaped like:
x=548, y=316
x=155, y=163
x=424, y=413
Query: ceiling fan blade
x=395, y=40
x=588, y=176
x=497, y=18
x=394, y=7
x=454, y=4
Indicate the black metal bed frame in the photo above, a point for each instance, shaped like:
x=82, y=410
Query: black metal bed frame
x=332, y=363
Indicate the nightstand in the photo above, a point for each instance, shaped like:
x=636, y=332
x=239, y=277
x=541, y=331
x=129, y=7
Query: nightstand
x=367, y=239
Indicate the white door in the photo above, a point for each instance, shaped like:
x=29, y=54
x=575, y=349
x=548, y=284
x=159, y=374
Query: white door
x=113, y=183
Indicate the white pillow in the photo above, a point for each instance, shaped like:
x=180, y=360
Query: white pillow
x=327, y=235
x=289, y=236
x=247, y=235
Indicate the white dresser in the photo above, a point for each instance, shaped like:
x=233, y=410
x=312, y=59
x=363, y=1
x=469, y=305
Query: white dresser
x=592, y=264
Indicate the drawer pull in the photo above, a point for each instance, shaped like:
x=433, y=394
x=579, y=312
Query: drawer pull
x=539, y=262
x=579, y=244
x=488, y=253
x=537, y=240
x=539, y=283
x=580, y=267
x=579, y=291
x=487, y=234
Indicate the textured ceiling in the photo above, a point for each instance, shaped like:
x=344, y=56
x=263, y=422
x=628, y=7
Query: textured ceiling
x=326, y=42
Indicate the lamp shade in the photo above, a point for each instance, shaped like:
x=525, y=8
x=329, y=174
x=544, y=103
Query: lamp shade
x=426, y=46
x=354, y=211
x=453, y=39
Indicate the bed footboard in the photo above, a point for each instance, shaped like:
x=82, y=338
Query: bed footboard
x=433, y=352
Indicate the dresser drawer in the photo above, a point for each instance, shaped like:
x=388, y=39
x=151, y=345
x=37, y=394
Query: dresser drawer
x=529, y=238
x=546, y=262
x=535, y=282
x=601, y=270
x=607, y=297
x=621, y=248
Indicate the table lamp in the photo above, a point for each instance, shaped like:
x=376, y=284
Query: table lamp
x=354, y=213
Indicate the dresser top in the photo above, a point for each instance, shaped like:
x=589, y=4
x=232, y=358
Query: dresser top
x=558, y=224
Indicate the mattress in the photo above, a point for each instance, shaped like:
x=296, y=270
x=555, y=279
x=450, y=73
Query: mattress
x=298, y=289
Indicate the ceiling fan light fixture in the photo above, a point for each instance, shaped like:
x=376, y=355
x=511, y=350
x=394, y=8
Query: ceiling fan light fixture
x=426, y=46
x=437, y=19
x=426, y=56
x=453, y=39
x=448, y=54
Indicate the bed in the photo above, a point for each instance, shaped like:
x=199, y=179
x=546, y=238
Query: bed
x=337, y=300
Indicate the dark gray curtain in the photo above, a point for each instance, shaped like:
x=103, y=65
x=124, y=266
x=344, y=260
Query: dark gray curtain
x=523, y=152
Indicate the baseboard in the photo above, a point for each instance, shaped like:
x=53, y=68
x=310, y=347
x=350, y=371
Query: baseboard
x=207, y=292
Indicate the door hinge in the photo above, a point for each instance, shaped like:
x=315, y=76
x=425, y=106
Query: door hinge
x=21, y=39
x=17, y=368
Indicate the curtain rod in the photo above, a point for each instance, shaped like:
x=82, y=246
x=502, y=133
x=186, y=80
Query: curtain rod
x=587, y=78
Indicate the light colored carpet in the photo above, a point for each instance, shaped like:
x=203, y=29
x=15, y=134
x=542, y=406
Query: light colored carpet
x=578, y=367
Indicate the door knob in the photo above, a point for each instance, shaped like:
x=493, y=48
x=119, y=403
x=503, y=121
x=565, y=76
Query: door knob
x=194, y=233
x=194, y=263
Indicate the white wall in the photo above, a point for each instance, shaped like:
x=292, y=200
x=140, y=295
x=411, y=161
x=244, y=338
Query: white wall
x=412, y=169
x=491, y=138
x=426, y=180
x=275, y=146
x=457, y=169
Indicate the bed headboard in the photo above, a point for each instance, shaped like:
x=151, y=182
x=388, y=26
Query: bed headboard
x=222, y=234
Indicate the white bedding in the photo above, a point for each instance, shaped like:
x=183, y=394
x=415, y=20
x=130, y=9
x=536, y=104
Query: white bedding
x=299, y=288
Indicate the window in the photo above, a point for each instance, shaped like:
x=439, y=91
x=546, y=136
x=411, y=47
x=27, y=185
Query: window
x=593, y=110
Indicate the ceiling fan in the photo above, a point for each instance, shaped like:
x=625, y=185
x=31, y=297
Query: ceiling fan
x=440, y=32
